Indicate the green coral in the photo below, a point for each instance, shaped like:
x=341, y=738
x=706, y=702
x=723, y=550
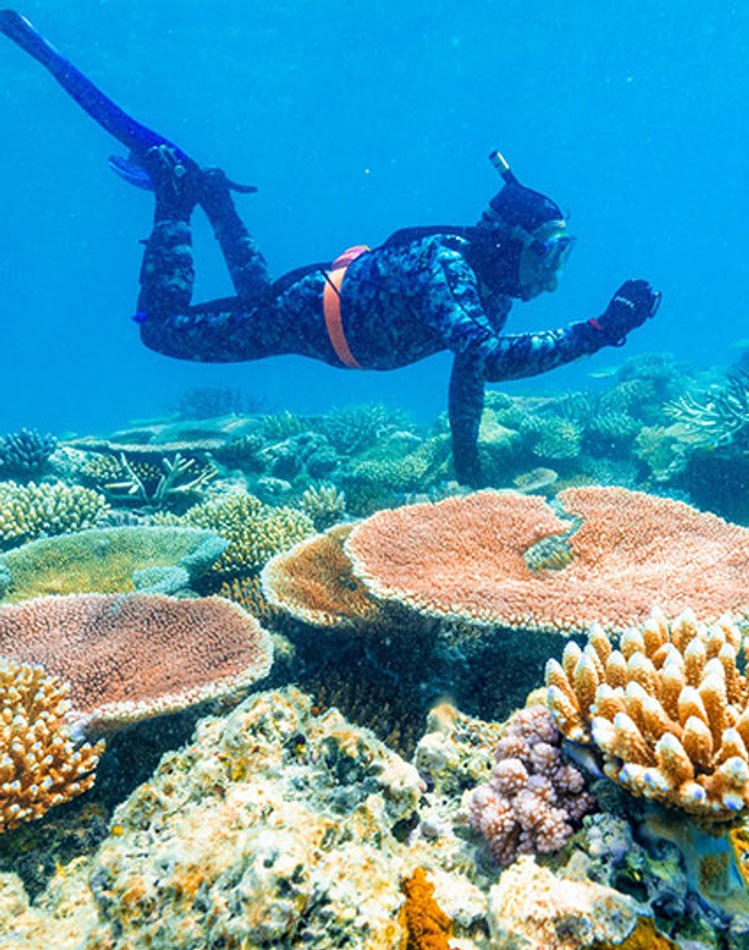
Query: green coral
x=108, y=561
x=254, y=531
x=31, y=511
x=552, y=437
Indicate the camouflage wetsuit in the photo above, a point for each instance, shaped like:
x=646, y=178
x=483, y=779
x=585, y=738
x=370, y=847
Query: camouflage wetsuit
x=400, y=303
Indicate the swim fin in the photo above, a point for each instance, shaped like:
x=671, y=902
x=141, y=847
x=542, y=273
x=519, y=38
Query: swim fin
x=137, y=138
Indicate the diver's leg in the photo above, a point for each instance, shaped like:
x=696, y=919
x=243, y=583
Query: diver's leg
x=247, y=266
x=167, y=274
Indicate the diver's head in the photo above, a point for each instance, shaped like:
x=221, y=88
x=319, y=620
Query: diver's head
x=528, y=234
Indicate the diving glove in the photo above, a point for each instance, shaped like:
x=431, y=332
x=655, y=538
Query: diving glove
x=633, y=304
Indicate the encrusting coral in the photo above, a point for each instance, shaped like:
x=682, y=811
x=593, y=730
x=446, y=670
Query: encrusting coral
x=534, y=798
x=426, y=925
x=40, y=766
x=668, y=711
x=135, y=656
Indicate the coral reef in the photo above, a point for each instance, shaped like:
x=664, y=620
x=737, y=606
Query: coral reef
x=24, y=454
x=534, y=799
x=533, y=908
x=254, y=531
x=40, y=766
x=108, y=561
x=469, y=558
x=30, y=511
x=324, y=505
x=426, y=925
x=668, y=711
x=314, y=582
x=134, y=656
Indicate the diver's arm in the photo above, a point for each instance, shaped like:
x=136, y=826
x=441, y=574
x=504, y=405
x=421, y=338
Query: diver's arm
x=465, y=405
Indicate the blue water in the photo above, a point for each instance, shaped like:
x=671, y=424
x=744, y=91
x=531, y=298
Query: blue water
x=354, y=119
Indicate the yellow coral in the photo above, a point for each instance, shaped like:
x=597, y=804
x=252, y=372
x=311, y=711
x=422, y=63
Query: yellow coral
x=255, y=531
x=426, y=925
x=39, y=765
x=668, y=710
x=29, y=511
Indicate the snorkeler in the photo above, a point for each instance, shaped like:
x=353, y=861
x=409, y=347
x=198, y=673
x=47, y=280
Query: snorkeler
x=423, y=291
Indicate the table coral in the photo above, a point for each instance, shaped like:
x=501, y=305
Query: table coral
x=134, y=656
x=471, y=558
x=29, y=511
x=314, y=582
x=40, y=766
x=108, y=560
x=534, y=798
x=668, y=711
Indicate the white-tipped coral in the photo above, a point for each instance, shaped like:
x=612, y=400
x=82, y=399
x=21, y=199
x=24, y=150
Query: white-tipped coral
x=668, y=711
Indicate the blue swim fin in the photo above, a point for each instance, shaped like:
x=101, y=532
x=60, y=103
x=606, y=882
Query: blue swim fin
x=132, y=172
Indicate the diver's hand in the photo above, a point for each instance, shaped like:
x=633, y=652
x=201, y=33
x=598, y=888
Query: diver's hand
x=630, y=307
x=175, y=182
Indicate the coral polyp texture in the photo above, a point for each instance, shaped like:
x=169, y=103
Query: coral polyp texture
x=135, y=656
x=620, y=553
x=668, y=711
x=30, y=511
x=534, y=799
x=107, y=561
x=255, y=531
x=314, y=582
x=40, y=766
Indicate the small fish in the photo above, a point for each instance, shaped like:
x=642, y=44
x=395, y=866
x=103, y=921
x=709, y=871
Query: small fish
x=535, y=480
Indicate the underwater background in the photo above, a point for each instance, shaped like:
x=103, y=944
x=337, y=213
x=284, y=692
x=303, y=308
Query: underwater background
x=355, y=119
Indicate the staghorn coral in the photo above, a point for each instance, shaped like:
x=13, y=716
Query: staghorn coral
x=108, y=561
x=718, y=417
x=254, y=531
x=534, y=799
x=135, y=656
x=426, y=925
x=40, y=766
x=30, y=511
x=668, y=711
x=25, y=453
x=469, y=558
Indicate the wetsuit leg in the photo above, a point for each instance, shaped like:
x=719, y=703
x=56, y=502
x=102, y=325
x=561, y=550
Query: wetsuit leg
x=247, y=266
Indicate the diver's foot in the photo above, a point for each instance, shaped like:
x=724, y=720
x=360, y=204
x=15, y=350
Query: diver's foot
x=175, y=183
x=214, y=191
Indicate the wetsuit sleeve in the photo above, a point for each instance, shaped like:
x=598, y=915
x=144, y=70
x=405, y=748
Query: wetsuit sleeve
x=466, y=330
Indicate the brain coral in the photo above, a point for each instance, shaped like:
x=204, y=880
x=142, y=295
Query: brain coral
x=108, y=561
x=135, y=656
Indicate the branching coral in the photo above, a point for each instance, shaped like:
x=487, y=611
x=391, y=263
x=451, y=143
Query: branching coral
x=668, y=711
x=255, y=531
x=720, y=417
x=30, y=511
x=534, y=798
x=39, y=764
x=24, y=453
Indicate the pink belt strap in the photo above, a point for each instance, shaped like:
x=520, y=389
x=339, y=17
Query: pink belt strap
x=331, y=302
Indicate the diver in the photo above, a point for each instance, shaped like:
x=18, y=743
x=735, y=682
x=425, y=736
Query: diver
x=424, y=290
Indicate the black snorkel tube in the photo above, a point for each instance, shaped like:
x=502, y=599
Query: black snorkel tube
x=137, y=138
x=503, y=167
